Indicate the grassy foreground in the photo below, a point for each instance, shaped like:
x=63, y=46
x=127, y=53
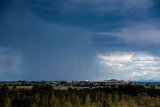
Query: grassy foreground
x=108, y=96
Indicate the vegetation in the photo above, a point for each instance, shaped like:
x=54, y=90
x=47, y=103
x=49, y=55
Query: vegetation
x=107, y=96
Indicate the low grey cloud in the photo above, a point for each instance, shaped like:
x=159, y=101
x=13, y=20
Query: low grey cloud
x=145, y=36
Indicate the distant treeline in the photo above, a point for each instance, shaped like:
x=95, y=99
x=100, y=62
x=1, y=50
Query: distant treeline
x=108, y=96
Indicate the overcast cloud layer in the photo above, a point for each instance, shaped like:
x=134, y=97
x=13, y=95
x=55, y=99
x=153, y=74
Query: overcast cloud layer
x=79, y=39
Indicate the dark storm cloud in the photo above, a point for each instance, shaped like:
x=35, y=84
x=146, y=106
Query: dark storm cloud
x=102, y=16
x=91, y=14
x=156, y=9
x=4, y=3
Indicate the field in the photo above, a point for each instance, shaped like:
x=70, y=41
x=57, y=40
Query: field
x=65, y=96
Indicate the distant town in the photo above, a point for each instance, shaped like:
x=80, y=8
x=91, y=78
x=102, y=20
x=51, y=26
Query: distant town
x=64, y=85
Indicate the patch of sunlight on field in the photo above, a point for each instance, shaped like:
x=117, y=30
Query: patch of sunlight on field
x=21, y=87
x=60, y=87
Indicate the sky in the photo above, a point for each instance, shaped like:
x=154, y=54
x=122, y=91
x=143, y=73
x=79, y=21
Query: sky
x=79, y=40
